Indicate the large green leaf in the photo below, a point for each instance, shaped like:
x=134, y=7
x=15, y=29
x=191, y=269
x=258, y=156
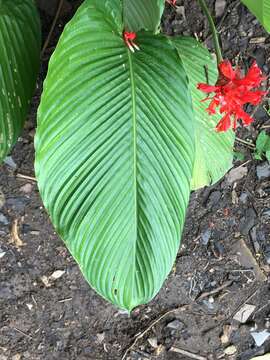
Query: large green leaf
x=114, y=153
x=19, y=63
x=141, y=14
x=214, y=151
x=261, y=9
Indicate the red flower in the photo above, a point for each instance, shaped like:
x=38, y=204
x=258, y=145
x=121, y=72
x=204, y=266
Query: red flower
x=232, y=92
x=171, y=2
x=129, y=38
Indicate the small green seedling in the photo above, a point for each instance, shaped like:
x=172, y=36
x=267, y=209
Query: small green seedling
x=262, y=146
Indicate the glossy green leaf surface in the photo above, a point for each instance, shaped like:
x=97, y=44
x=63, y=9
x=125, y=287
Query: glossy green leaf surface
x=214, y=151
x=19, y=64
x=261, y=9
x=114, y=153
x=141, y=14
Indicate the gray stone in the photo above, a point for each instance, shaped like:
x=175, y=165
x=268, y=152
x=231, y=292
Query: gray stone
x=248, y=221
x=3, y=219
x=260, y=336
x=263, y=171
x=10, y=162
x=175, y=325
x=17, y=203
x=220, y=7
x=214, y=198
x=236, y=174
x=206, y=235
x=243, y=198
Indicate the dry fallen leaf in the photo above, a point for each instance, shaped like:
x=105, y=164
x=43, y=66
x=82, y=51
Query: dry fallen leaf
x=264, y=357
x=16, y=357
x=230, y=350
x=244, y=313
x=45, y=281
x=227, y=331
x=159, y=350
x=57, y=274
x=15, y=238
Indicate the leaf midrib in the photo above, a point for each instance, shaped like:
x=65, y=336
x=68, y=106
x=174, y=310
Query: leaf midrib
x=135, y=172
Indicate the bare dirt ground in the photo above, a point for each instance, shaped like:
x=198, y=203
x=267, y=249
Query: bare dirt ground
x=222, y=270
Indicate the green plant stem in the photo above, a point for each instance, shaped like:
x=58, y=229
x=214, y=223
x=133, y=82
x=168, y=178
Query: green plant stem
x=213, y=30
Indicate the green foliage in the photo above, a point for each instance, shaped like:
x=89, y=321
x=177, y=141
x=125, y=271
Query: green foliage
x=262, y=146
x=238, y=155
x=19, y=64
x=142, y=15
x=261, y=9
x=214, y=151
x=115, y=153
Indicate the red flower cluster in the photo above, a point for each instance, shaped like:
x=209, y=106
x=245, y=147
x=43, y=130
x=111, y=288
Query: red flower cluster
x=232, y=92
x=129, y=38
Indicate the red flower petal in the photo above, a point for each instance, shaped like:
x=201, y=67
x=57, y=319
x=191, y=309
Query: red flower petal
x=207, y=88
x=212, y=107
x=241, y=114
x=171, y=2
x=224, y=123
x=226, y=69
x=253, y=78
x=129, y=35
x=254, y=97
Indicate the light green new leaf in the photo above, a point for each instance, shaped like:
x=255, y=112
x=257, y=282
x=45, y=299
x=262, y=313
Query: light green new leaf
x=261, y=9
x=262, y=145
x=141, y=14
x=19, y=63
x=214, y=151
x=263, y=142
x=114, y=153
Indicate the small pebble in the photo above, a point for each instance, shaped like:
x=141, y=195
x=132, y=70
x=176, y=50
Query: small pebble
x=27, y=188
x=10, y=163
x=260, y=336
x=230, y=350
x=175, y=325
x=263, y=171
x=206, y=235
x=3, y=219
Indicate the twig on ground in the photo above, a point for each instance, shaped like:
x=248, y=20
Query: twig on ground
x=142, y=334
x=261, y=308
x=61, y=2
x=215, y=291
x=26, y=177
x=23, y=333
x=245, y=142
x=65, y=300
x=247, y=299
x=187, y=353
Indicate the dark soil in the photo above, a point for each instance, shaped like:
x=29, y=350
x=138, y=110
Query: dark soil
x=223, y=264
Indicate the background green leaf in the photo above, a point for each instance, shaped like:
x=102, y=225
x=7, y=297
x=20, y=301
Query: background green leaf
x=214, y=151
x=19, y=64
x=262, y=145
x=114, y=154
x=261, y=9
x=141, y=14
